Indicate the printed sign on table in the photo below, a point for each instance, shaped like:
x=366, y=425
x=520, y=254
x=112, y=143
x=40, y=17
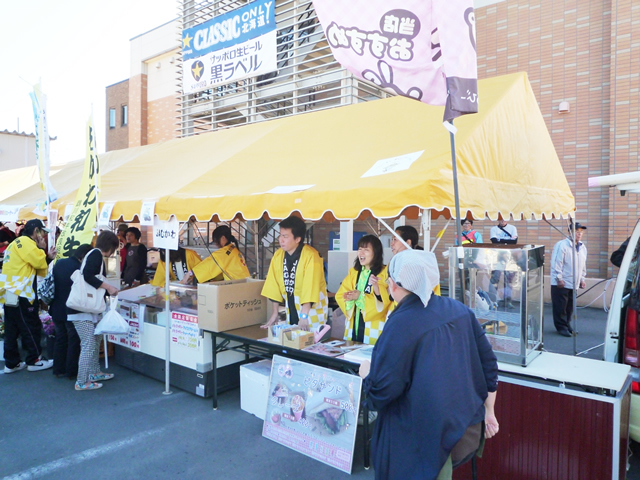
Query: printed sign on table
x=313, y=410
x=131, y=313
x=184, y=329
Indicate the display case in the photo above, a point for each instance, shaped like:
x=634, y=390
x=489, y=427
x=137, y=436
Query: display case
x=182, y=298
x=503, y=285
x=143, y=349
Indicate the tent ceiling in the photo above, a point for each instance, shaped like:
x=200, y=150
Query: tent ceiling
x=315, y=164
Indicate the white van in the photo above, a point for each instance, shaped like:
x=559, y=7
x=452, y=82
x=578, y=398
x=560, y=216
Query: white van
x=622, y=336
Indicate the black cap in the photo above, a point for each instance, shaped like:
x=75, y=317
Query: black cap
x=34, y=224
x=579, y=226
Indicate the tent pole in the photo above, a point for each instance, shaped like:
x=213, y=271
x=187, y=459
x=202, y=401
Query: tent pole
x=576, y=285
x=167, y=330
x=459, y=249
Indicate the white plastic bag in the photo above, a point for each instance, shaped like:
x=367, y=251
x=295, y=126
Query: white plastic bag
x=112, y=322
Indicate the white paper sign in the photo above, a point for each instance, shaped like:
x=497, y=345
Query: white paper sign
x=9, y=213
x=52, y=223
x=282, y=189
x=166, y=234
x=105, y=213
x=68, y=209
x=146, y=213
x=393, y=164
x=184, y=330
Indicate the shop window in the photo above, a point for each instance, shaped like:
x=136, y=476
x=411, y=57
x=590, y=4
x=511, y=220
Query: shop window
x=125, y=115
x=112, y=118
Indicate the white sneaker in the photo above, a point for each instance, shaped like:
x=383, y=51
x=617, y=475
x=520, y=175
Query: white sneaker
x=40, y=365
x=20, y=366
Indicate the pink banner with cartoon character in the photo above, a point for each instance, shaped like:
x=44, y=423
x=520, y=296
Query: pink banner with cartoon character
x=422, y=49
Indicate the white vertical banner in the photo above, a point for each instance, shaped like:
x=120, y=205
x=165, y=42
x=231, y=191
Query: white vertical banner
x=39, y=103
x=52, y=224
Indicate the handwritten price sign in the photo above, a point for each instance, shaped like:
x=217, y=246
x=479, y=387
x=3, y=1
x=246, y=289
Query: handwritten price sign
x=166, y=233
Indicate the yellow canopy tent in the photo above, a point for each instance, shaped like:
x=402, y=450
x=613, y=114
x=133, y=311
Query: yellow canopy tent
x=17, y=180
x=384, y=157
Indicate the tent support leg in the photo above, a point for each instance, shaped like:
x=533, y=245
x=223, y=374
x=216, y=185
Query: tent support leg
x=459, y=250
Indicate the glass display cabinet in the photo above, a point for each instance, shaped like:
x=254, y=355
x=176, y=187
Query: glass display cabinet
x=182, y=298
x=503, y=285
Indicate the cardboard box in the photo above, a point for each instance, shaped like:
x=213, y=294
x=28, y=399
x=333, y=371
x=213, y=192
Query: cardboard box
x=254, y=387
x=297, y=339
x=280, y=328
x=231, y=304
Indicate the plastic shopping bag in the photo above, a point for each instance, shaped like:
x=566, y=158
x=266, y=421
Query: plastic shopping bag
x=112, y=322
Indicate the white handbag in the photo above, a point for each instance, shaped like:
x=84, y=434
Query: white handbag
x=84, y=297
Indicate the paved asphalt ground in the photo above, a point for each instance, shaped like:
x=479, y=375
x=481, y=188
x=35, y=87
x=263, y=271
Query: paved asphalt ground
x=129, y=430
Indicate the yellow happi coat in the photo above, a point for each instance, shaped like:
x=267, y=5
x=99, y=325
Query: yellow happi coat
x=374, y=313
x=309, y=287
x=227, y=257
x=193, y=259
x=23, y=260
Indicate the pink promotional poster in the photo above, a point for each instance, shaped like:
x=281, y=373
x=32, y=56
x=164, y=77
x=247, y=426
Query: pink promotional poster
x=314, y=411
x=421, y=49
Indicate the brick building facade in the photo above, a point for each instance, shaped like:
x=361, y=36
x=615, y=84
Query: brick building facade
x=150, y=94
x=584, y=53
x=117, y=116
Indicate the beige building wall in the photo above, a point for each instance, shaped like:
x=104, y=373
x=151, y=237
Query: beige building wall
x=17, y=150
x=162, y=98
x=152, y=86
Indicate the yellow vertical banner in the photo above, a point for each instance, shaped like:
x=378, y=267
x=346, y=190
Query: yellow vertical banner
x=80, y=227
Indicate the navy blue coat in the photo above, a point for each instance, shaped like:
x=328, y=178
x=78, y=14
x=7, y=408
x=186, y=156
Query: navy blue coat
x=62, y=271
x=431, y=371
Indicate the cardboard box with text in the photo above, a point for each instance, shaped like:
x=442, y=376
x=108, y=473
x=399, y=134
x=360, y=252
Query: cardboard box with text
x=231, y=304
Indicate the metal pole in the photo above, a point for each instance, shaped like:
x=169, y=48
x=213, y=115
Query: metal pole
x=575, y=287
x=459, y=249
x=167, y=336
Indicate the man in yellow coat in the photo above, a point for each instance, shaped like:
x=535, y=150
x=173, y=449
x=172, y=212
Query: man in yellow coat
x=296, y=277
x=24, y=259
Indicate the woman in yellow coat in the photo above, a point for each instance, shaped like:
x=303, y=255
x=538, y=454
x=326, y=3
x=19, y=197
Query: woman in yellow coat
x=363, y=295
x=226, y=263
x=181, y=261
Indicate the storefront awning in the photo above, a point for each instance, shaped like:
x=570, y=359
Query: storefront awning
x=380, y=158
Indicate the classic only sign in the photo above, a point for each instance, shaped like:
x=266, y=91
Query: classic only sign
x=230, y=47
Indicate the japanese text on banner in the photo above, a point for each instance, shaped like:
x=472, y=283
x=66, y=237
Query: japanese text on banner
x=79, y=228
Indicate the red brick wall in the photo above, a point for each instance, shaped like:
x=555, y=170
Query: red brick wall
x=161, y=119
x=588, y=54
x=117, y=95
x=138, y=110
